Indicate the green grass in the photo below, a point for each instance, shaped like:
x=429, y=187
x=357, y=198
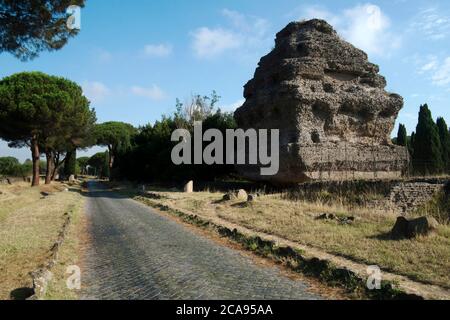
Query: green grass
x=438, y=208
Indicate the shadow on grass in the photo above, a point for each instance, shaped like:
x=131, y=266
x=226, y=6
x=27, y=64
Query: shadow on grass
x=386, y=236
x=21, y=293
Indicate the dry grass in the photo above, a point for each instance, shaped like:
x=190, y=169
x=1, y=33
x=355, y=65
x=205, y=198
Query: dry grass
x=29, y=225
x=68, y=256
x=425, y=259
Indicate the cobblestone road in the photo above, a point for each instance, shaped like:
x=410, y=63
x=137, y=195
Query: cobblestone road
x=134, y=253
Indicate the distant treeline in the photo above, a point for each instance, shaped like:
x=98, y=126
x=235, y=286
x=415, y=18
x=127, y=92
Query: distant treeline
x=11, y=167
x=429, y=145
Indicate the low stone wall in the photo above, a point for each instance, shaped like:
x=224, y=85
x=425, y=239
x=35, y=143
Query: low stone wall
x=401, y=196
x=12, y=180
x=43, y=275
x=408, y=197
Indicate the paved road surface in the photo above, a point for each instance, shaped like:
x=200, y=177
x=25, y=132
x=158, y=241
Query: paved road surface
x=137, y=254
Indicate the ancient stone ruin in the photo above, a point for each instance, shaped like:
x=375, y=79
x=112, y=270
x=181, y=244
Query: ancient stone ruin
x=329, y=103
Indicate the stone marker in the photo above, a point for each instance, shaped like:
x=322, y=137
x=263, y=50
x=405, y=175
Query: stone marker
x=330, y=105
x=229, y=196
x=189, y=187
x=71, y=178
x=236, y=195
x=405, y=228
x=242, y=195
x=252, y=198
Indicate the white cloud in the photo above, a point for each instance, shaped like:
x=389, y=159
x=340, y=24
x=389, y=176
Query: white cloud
x=95, y=91
x=368, y=28
x=158, y=50
x=432, y=23
x=430, y=65
x=365, y=26
x=436, y=69
x=244, y=34
x=441, y=76
x=233, y=106
x=153, y=93
x=102, y=55
x=212, y=42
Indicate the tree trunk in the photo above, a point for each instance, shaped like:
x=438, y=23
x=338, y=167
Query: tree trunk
x=111, y=157
x=50, y=166
x=111, y=162
x=55, y=166
x=58, y=164
x=35, y=155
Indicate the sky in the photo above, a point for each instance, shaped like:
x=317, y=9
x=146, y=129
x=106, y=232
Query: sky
x=134, y=58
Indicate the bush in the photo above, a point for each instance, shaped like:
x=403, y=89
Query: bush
x=439, y=207
x=11, y=167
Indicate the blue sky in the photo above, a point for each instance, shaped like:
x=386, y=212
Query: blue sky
x=134, y=58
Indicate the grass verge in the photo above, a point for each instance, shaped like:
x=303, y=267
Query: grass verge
x=29, y=226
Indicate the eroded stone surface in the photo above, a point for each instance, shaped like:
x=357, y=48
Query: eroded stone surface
x=329, y=102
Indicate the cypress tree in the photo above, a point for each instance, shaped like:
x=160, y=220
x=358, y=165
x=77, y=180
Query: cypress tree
x=444, y=136
x=427, y=157
x=402, y=137
x=411, y=143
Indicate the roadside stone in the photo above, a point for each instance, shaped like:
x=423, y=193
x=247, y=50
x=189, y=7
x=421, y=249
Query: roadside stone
x=41, y=278
x=229, y=196
x=422, y=226
x=5, y=181
x=252, y=197
x=152, y=195
x=242, y=195
x=346, y=220
x=326, y=216
x=71, y=178
x=400, y=228
x=189, y=187
x=409, y=229
x=332, y=217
